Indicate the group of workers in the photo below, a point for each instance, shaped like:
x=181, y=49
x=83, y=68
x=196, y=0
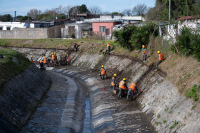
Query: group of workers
x=132, y=89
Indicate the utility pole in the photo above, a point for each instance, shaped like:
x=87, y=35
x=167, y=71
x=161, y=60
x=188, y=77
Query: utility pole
x=169, y=9
x=187, y=7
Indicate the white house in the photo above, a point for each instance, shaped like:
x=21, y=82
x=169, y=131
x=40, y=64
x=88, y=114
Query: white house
x=190, y=22
x=11, y=25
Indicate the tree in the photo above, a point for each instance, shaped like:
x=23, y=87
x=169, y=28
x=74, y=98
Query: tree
x=83, y=8
x=127, y=12
x=140, y=9
x=106, y=13
x=33, y=13
x=74, y=10
x=178, y=8
x=95, y=10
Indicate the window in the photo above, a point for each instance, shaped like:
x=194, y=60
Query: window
x=102, y=28
x=107, y=31
x=1, y=28
x=7, y=28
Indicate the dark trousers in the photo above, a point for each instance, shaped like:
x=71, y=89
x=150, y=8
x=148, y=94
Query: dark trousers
x=130, y=92
x=158, y=64
x=121, y=92
x=108, y=50
x=68, y=63
x=114, y=87
x=144, y=56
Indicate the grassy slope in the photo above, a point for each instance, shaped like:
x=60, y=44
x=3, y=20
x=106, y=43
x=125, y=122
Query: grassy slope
x=9, y=69
x=179, y=69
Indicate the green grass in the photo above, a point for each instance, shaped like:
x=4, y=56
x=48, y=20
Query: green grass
x=9, y=69
x=193, y=93
x=158, y=116
x=174, y=125
x=164, y=121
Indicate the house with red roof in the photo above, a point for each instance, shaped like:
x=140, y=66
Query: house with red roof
x=192, y=22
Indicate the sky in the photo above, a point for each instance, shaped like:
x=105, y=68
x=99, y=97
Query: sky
x=23, y=6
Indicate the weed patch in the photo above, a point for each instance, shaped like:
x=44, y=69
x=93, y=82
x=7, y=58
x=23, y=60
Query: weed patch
x=193, y=93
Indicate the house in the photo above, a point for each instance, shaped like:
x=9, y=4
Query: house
x=104, y=27
x=12, y=25
x=78, y=30
x=192, y=22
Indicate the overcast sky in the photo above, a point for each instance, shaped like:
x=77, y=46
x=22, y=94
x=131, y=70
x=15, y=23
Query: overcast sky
x=23, y=6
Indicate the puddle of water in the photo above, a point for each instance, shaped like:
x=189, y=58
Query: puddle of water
x=87, y=120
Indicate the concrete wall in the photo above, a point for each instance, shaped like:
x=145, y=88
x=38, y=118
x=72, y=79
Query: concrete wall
x=160, y=98
x=188, y=23
x=19, y=97
x=35, y=33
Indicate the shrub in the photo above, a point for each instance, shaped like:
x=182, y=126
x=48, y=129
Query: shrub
x=72, y=36
x=193, y=93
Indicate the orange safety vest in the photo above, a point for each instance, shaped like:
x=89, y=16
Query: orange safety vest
x=161, y=57
x=76, y=45
x=41, y=61
x=121, y=85
x=108, y=44
x=45, y=60
x=144, y=51
x=53, y=56
x=103, y=71
x=68, y=59
x=113, y=84
x=32, y=60
x=132, y=86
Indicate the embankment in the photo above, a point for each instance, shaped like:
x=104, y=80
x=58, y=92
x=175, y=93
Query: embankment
x=20, y=95
x=168, y=110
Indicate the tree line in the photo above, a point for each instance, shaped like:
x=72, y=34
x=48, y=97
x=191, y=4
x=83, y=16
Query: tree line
x=62, y=11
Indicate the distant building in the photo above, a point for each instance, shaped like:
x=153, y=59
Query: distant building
x=192, y=22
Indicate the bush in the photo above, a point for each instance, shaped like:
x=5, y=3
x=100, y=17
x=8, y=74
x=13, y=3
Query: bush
x=124, y=36
x=193, y=93
x=72, y=36
x=133, y=37
x=188, y=43
x=142, y=36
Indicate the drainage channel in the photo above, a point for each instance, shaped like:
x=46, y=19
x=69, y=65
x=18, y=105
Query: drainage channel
x=87, y=118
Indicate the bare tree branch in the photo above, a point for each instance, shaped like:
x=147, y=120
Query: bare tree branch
x=95, y=10
x=140, y=9
x=33, y=13
x=127, y=12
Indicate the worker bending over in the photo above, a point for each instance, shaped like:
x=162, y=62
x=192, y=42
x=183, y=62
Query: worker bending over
x=102, y=72
x=75, y=46
x=160, y=59
x=122, y=87
x=31, y=58
x=45, y=61
x=114, y=82
x=131, y=90
x=41, y=65
x=144, y=53
x=67, y=59
x=108, y=46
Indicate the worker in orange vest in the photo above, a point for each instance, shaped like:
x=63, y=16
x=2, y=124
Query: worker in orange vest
x=108, y=46
x=160, y=59
x=144, y=53
x=102, y=72
x=122, y=87
x=67, y=59
x=41, y=64
x=45, y=61
x=114, y=82
x=131, y=90
x=31, y=58
x=53, y=57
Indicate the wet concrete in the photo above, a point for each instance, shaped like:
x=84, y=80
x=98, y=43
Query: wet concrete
x=125, y=115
